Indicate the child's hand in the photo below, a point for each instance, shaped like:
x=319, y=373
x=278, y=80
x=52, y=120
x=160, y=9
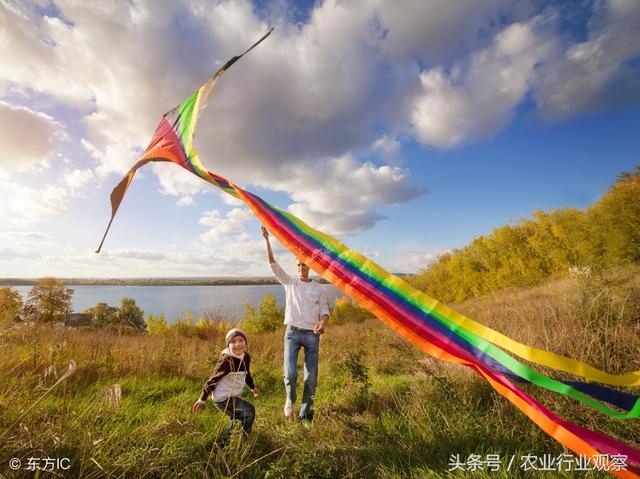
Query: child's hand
x=197, y=407
x=256, y=392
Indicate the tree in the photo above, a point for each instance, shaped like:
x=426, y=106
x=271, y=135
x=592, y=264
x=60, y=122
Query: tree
x=103, y=314
x=10, y=305
x=269, y=316
x=130, y=314
x=157, y=326
x=48, y=301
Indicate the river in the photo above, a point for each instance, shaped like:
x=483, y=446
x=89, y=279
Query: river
x=228, y=302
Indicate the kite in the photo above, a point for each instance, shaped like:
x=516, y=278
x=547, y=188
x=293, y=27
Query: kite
x=431, y=326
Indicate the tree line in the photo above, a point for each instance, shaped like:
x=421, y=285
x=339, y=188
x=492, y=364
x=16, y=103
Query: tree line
x=49, y=301
x=604, y=235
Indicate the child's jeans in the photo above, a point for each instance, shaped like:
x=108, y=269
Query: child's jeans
x=294, y=339
x=237, y=410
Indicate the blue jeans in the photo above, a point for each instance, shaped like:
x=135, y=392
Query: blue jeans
x=238, y=410
x=294, y=339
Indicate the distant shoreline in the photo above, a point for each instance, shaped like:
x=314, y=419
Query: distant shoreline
x=151, y=281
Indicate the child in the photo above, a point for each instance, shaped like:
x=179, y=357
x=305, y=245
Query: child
x=229, y=377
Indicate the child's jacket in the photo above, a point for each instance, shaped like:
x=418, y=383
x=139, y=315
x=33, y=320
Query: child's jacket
x=229, y=377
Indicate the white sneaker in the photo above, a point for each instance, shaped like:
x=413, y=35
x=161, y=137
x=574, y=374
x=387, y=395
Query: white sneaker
x=288, y=408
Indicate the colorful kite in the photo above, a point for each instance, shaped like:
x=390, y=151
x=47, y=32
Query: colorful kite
x=431, y=326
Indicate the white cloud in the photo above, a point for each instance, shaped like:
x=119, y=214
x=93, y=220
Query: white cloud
x=310, y=92
x=412, y=261
x=148, y=263
x=28, y=138
x=176, y=181
x=35, y=203
x=301, y=113
x=337, y=195
x=222, y=228
x=388, y=149
x=185, y=201
x=433, y=30
x=476, y=100
x=594, y=74
x=10, y=254
x=78, y=179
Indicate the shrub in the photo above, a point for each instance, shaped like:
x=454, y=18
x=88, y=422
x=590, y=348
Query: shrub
x=268, y=318
x=157, y=325
x=346, y=311
x=10, y=305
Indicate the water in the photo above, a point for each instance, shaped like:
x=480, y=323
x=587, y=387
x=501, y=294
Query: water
x=228, y=302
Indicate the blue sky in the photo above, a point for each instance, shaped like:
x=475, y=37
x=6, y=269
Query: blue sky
x=405, y=132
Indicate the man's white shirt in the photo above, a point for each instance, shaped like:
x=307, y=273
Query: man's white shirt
x=306, y=301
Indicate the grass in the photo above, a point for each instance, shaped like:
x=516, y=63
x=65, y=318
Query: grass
x=383, y=409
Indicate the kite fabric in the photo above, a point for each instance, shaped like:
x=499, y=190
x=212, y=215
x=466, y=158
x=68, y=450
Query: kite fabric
x=429, y=325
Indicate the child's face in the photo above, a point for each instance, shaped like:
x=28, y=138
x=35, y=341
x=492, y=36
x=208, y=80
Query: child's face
x=237, y=345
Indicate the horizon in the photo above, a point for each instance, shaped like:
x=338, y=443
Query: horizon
x=405, y=133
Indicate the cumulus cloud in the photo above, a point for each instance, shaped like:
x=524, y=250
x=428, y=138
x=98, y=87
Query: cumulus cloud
x=337, y=195
x=185, y=201
x=222, y=227
x=435, y=31
x=338, y=89
x=78, y=179
x=28, y=138
x=476, y=100
x=596, y=73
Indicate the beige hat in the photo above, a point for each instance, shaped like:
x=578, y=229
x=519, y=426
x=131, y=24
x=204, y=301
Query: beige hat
x=233, y=333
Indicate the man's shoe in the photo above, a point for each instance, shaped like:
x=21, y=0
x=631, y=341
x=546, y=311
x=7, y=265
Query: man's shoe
x=288, y=408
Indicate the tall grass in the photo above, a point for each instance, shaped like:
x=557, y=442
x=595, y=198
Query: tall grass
x=383, y=409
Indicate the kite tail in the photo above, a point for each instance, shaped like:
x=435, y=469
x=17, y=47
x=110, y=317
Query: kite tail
x=582, y=441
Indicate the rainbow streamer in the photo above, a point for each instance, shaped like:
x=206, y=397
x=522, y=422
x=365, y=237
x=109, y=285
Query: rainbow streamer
x=429, y=325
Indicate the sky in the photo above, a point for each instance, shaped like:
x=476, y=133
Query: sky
x=405, y=129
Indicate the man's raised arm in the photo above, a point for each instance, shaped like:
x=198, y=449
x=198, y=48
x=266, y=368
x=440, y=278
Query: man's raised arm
x=265, y=233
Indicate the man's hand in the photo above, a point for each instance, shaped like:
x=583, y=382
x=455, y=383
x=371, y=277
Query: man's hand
x=256, y=392
x=267, y=243
x=197, y=407
x=319, y=328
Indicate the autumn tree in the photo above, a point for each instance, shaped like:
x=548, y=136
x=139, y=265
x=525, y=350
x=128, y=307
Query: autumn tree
x=528, y=252
x=130, y=314
x=103, y=314
x=268, y=317
x=10, y=305
x=48, y=301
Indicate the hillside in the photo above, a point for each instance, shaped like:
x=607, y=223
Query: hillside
x=548, y=245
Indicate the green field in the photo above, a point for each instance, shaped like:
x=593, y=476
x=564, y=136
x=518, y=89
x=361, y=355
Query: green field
x=383, y=408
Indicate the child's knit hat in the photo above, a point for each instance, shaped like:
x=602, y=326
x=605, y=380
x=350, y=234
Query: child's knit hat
x=233, y=333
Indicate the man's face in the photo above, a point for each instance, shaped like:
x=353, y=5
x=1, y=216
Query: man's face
x=303, y=269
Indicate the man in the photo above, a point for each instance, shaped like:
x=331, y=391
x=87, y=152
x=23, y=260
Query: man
x=306, y=315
